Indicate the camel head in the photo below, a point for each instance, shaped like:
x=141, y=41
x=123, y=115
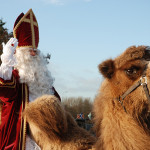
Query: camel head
x=127, y=83
x=122, y=105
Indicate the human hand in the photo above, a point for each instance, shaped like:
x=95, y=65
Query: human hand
x=10, y=47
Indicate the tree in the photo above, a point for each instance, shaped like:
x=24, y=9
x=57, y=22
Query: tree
x=4, y=35
x=78, y=105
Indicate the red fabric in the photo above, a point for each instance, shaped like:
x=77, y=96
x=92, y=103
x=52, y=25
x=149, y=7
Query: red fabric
x=23, y=34
x=10, y=94
x=18, y=19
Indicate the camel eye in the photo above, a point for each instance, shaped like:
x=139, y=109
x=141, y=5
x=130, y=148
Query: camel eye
x=131, y=71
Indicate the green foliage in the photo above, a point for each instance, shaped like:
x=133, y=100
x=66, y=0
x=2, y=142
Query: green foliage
x=78, y=105
x=4, y=35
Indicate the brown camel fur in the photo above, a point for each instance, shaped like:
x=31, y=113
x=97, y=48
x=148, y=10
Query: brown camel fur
x=119, y=128
x=54, y=128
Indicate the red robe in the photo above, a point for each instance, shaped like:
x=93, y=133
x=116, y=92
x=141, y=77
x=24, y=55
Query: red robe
x=13, y=127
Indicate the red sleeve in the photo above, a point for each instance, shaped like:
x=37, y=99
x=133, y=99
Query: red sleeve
x=9, y=88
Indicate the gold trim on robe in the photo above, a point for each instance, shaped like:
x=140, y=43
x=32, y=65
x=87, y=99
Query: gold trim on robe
x=25, y=99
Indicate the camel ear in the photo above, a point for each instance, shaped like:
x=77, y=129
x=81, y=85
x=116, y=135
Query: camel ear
x=107, y=68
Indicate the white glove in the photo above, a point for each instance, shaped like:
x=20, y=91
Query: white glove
x=10, y=47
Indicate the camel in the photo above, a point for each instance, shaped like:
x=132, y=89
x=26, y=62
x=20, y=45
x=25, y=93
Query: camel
x=121, y=107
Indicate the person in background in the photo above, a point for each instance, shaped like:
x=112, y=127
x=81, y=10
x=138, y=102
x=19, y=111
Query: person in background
x=24, y=76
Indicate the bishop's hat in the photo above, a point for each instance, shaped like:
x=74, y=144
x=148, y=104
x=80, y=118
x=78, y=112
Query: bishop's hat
x=26, y=30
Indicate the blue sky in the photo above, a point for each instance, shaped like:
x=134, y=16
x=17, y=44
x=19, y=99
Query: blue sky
x=80, y=34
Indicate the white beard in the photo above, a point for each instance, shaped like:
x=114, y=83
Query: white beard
x=33, y=71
